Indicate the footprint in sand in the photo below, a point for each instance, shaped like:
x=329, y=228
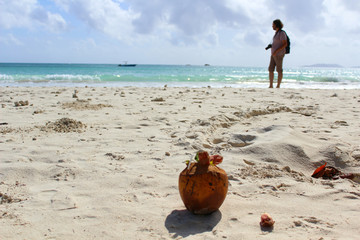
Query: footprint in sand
x=240, y=140
x=311, y=222
x=62, y=202
x=235, y=140
x=58, y=200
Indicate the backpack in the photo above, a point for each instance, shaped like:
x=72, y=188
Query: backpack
x=287, y=49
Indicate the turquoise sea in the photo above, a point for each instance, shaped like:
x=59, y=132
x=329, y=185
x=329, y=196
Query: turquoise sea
x=45, y=74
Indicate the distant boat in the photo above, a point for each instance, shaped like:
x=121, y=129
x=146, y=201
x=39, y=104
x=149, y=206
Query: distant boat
x=126, y=65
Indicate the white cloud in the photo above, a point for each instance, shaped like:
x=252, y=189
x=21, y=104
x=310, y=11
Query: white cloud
x=186, y=21
x=187, y=26
x=257, y=11
x=305, y=15
x=28, y=14
x=102, y=15
x=340, y=15
x=190, y=22
x=15, y=13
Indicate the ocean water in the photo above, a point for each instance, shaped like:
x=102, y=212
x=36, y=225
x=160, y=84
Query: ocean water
x=43, y=74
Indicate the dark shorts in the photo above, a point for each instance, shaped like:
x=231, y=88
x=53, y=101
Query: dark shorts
x=276, y=61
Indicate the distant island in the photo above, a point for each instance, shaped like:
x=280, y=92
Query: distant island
x=324, y=65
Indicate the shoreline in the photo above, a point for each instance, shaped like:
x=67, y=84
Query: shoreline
x=70, y=75
x=245, y=85
x=103, y=162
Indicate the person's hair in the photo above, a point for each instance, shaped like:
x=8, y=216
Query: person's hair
x=278, y=24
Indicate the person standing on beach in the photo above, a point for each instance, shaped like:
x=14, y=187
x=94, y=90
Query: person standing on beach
x=277, y=52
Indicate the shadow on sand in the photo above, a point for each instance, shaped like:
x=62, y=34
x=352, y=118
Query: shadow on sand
x=267, y=229
x=183, y=223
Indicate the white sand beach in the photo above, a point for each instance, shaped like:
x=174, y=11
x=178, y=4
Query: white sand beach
x=103, y=163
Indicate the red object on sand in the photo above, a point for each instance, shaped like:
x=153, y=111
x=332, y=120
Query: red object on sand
x=266, y=220
x=319, y=172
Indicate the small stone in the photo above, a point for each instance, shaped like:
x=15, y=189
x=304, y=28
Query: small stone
x=287, y=169
x=160, y=99
x=342, y=123
x=297, y=223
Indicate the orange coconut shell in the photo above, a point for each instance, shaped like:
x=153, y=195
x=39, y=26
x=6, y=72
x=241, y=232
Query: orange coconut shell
x=203, y=188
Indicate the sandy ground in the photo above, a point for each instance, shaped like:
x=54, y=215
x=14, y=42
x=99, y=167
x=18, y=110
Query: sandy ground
x=103, y=163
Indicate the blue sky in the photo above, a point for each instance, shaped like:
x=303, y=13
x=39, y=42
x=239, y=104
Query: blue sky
x=217, y=32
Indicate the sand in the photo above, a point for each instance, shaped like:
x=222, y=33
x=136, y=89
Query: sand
x=103, y=163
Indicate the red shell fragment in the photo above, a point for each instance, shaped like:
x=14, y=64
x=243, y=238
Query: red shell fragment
x=319, y=172
x=328, y=172
x=266, y=220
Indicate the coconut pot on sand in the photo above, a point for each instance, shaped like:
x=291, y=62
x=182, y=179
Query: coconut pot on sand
x=203, y=185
